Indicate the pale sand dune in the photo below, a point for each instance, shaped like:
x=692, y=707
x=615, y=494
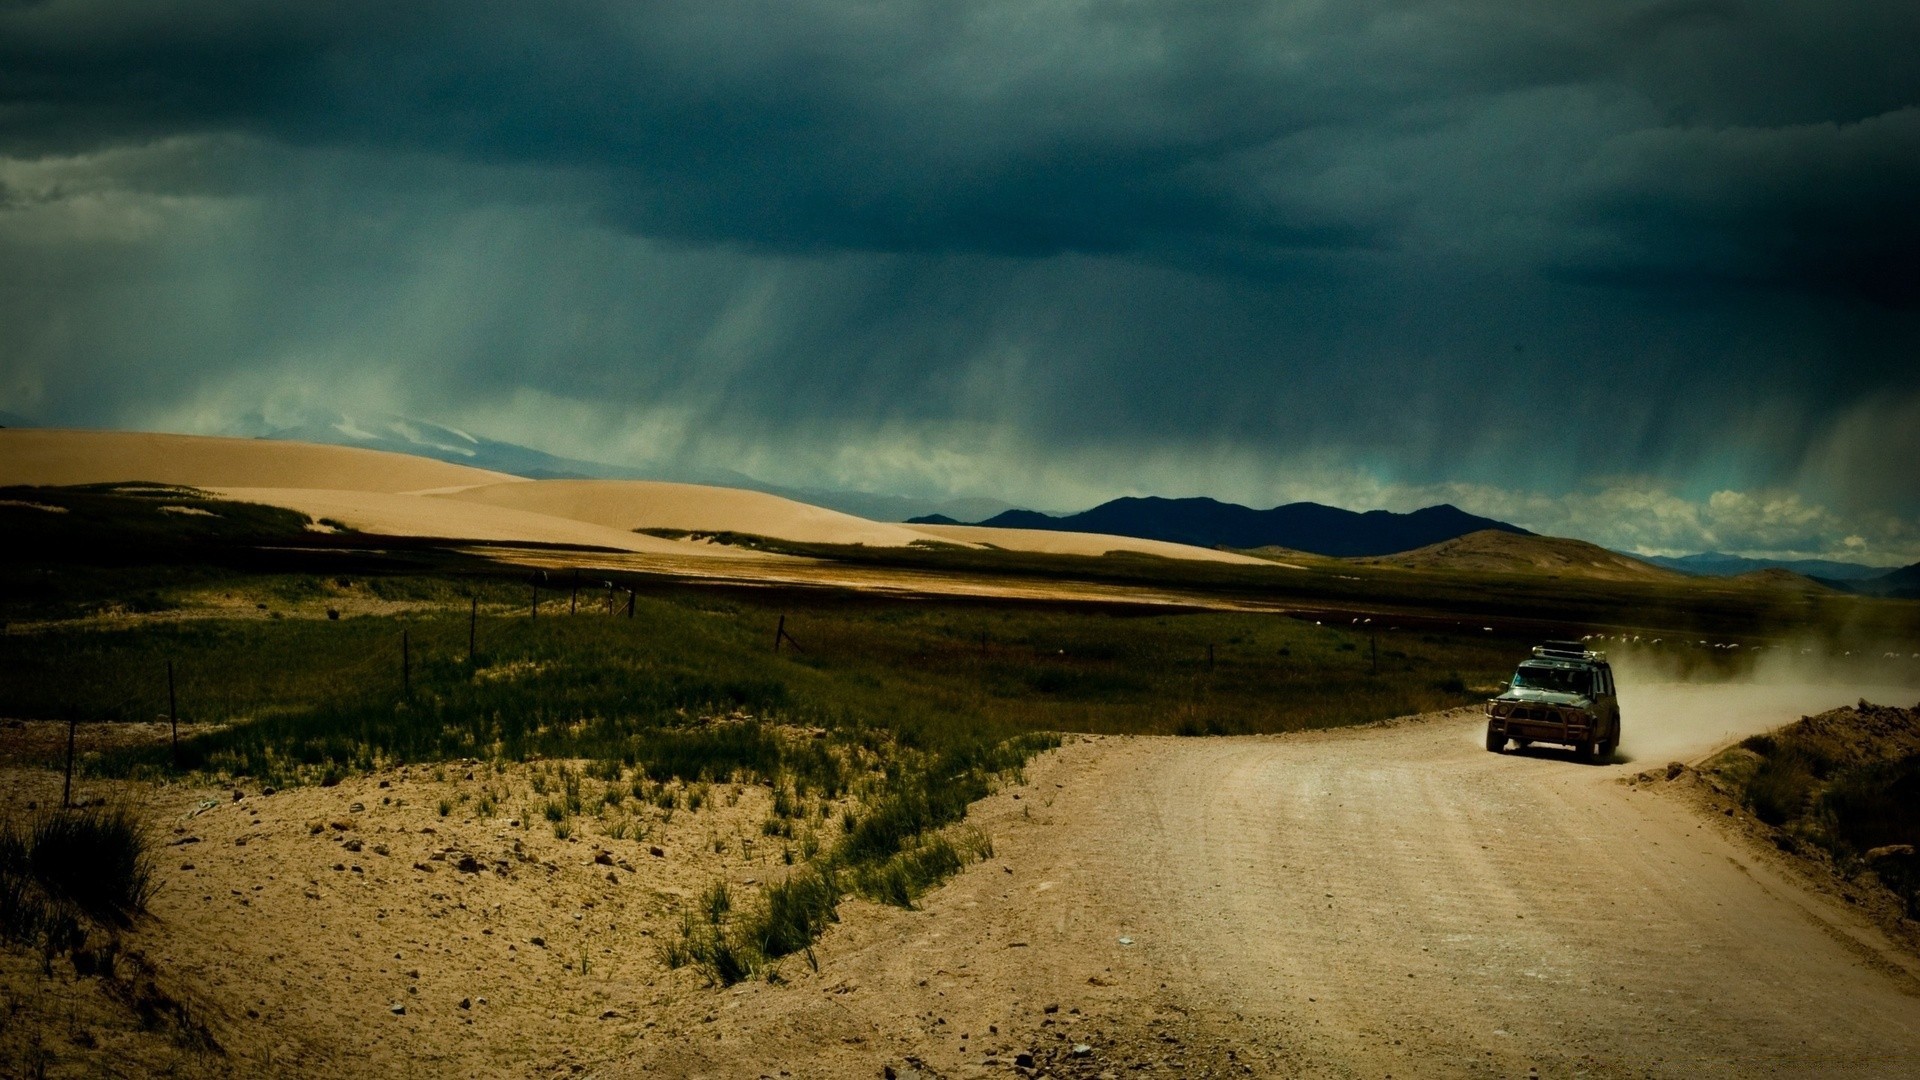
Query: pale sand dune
x=390, y=514
x=41, y=456
x=402, y=495
x=1076, y=543
x=649, y=504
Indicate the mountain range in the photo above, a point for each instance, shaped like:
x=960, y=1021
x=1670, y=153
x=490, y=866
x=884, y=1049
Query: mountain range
x=1304, y=526
x=1720, y=564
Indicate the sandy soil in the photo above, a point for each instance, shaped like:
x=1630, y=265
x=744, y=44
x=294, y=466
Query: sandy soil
x=1383, y=901
x=55, y=457
x=388, y=514
x=647, y=504
x=1390, y=901
x=1054, y=542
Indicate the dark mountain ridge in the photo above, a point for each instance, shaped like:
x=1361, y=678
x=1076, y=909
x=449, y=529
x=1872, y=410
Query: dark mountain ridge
x=1721, y=564
x=1304, y=526
x=1901, y=584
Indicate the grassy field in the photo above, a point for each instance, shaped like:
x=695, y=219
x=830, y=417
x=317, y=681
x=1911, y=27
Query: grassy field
x=1676, y=606
x=876, y=722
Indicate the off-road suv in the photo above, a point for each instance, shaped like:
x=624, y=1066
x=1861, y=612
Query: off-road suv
x=1564, y=694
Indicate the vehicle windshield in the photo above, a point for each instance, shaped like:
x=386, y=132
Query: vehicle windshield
x=1554, y=679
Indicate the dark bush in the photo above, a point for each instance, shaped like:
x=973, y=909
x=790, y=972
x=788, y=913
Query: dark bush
x=1876, y=805
x=1780, y=787
x=96, y=859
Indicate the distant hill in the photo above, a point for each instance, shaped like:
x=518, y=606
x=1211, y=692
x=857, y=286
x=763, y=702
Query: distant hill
x=1505, y=552
x=1901, y=584
x=1720, y=564
x=1308, y=527
x=1775, y=577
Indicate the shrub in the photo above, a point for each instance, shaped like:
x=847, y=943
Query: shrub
x=95, y=858
x=1780, y=787
x=87, y=863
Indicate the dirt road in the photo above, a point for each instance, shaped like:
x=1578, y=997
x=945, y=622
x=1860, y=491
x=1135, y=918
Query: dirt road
x=1392, y=901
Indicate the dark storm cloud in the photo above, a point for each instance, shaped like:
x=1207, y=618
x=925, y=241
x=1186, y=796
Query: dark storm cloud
x=1019, y=129
x=1478, y=240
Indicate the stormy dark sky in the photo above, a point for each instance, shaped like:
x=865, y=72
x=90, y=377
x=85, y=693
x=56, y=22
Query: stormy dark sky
x=1646, y=273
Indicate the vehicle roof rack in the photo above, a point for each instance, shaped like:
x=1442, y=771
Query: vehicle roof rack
x=1564, y=650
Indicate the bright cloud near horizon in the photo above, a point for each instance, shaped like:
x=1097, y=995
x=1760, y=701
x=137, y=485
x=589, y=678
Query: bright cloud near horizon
x=1646, y=273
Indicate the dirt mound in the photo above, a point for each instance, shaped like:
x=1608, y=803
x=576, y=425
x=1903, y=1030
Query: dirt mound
x=1849, y=737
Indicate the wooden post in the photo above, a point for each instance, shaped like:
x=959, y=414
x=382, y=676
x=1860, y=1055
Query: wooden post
x=406, y=666
x=173, y=714
x=629, y=603
x=533, y=599
x=609, y=598
x=573, y=601
x=66, y=793
x=473, y=626
x=778, y=633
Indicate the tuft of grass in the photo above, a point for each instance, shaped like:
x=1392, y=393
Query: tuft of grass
x=62, y=870
x=96, y=858
x=793, y=912
x=906, y=876
x=716, y=902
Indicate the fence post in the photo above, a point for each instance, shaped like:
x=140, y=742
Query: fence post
x=609, y=598
x=573, y=600
x=533, y=599
x=1373, y=653
x=173, y=713
x=66, y=793
x=406, y=666
x=778, y=633
x=629, y=603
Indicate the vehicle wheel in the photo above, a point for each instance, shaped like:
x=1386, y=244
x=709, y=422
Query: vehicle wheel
x=1606, y=750
x=1585, y=752
x=1496, y=742
x=1523, y=743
